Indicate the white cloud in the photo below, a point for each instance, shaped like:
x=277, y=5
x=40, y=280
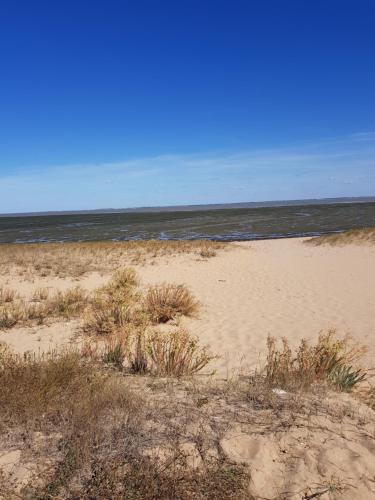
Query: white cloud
x=340, y=167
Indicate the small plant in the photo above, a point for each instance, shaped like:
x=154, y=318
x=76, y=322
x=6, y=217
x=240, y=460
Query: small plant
x=177, y=353
x=345, y=377
x=11, y=314
x=38, y=312
x=207, y=253
x=167, y=301
x=139, y=357
x=330, y=360
x=40, y=294
x=114, y=351
x=122, y=280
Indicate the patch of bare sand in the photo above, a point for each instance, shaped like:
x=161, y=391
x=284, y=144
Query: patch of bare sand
x=276, y=287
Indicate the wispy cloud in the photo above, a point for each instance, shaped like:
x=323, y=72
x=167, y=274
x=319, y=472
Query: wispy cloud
x=364, y=136
x=337, y=167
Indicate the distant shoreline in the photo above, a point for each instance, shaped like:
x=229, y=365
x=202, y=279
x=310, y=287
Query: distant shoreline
x=221, y=224
x=202, y=207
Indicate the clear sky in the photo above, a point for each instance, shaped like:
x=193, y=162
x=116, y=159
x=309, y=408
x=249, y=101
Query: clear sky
x=146, y=102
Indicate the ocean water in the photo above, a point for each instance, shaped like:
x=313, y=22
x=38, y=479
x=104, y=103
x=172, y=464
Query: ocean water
x=225, y=224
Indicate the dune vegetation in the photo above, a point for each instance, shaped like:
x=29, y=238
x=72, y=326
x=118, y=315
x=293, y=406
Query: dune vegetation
x=134, y=410
x=365, y=236
x=78, y=259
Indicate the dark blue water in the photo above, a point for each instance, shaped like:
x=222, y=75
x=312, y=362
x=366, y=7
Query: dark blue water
x=224, y=225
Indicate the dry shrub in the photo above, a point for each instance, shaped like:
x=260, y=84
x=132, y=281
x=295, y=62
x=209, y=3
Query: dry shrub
x=207, y=253
x=7, y=295
x=170, y=354
x=353, y=236
x=330, y=360
x=70, y=398
x=38, y=390
x=123, y=280
x=96, y=436
x=167, y=301
x=114, y=305
x=177, y=353
x=105, y=317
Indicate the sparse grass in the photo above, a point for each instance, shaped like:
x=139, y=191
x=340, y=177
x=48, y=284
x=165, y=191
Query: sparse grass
x=353, y=236
x=96, y=435
x=140, y=350
x=167, y=301
x=69, y=303
x=330, y=361
x=116, y=306
x=66, y=304
x=78, y=259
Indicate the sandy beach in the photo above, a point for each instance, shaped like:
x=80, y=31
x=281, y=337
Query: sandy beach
x=247, y=291
x=278, y=445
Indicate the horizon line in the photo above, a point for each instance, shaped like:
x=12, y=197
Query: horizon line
x=202, y=206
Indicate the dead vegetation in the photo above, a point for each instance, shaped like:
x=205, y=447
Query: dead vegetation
x=84, y=432
x=175, y=353
x=76, y=428
x=78, y=259
x=364, y=236
x=40, y=308
x=168, y=301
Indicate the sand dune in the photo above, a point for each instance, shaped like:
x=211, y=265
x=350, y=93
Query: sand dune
x=277, y=287
x=297, y=447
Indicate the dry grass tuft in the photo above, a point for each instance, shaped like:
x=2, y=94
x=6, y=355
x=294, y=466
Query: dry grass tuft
x=7, y=295
x=167, y=301
x=354, y=236
x=40, y=294
x=330, y=361
x=177, y=354
x=114, y=306
x=11, y=314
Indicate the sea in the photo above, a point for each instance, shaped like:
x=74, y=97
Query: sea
x=221, y=224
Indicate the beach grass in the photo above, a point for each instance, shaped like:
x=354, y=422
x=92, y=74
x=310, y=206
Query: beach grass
x=78, y=259
x=365, y=236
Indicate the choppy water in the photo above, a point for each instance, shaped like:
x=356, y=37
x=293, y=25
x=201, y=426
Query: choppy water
x=226, y=224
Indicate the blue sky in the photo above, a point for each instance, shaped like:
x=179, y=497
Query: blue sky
x=119, y=103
